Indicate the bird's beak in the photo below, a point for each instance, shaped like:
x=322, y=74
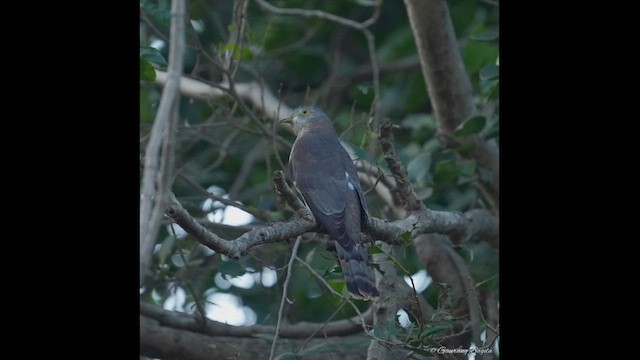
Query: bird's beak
x=287, y=120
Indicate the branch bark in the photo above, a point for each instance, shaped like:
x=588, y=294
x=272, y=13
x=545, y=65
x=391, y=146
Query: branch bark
x=403, y=187
x=300, y=330
x=442, y=263
x=168, y=343
x=446, y=266
x=157, y=167
x=394, y=295
x=256, y=94
x=449, y=86
x=427, y=221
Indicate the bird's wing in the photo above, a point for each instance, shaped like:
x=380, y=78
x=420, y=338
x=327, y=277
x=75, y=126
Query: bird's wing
x=325, y=176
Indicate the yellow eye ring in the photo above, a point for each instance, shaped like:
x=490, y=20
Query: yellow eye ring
x=304, y=112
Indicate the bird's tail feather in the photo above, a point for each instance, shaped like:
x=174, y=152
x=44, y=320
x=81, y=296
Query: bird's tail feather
x=358, y=274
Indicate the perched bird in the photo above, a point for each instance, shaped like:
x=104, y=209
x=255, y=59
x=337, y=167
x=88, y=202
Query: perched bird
x=325, y=176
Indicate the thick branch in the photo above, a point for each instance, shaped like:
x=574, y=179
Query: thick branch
x=256, y=94
x=449, y=85
x=427, y=221
x=442, y=67
x=483, y=225
x=238, y=247
x=169, y=343
x=158, y=160
x=300, y=330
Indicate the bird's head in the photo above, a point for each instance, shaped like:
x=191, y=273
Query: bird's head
x=305, y=117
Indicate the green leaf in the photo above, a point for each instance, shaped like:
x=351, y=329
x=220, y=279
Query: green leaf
x=147, y=72
x=418, y=167
x=478, y=54
x=471, y=126
x=435, y=329
x=446, y=171
x=338, y=285
x=420, y=351
x=375, y=249
x=418, y=121
x=466, y=171
x=243, y=54
x=489, y=72
x=230, y=268
x=465, y=148
x=486, y=36
x=152, y=55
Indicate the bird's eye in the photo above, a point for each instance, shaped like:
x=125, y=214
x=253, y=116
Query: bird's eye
x=304, y=112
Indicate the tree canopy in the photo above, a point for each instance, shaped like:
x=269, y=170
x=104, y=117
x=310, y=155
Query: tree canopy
x=233, y=264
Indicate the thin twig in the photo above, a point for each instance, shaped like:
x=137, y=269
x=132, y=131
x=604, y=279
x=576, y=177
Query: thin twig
x=321, y=14
x=403, y=187
x=362, y=27
x=277, y=53
x=153, y=27
x=240, y=11
x=252, y=91
x=294, y=253
x=324, y=282
x=227, y=202
x=312, y=335
x=375, y=106
x=196, y=298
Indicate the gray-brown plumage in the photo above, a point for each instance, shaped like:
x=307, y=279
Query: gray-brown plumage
x=325, y=176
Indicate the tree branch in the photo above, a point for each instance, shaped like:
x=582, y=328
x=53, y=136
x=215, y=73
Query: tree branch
x=447, y=267
x=387, y=305
x=157, y=169
x=321, y=14
x=427, y=221
x=169, y=343
x=300, y=330
x=441, y=262
x=294, y=253
x=285, y=192
x=347, y=299
x=256, y=94
x=403, y=187
x=449, y=86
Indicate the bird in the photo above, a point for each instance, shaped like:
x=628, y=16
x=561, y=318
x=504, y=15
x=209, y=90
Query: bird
x=324, y=174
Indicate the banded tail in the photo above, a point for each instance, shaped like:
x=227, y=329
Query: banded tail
x=358, y=274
